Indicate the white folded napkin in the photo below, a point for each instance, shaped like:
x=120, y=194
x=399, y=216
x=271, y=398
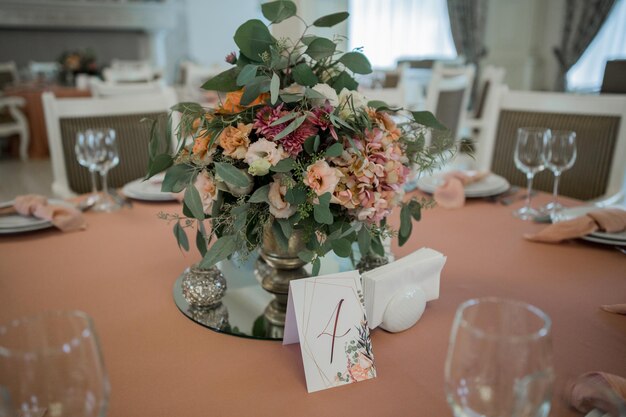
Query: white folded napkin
x=422, y=268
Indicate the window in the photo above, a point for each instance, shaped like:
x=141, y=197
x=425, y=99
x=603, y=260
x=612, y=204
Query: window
x=392, y=29
x=610, y=43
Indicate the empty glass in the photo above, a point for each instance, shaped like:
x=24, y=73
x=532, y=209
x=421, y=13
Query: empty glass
x=499, y=361
x=85, y=156
x=559, y=155
x=105, y=157
x=51, y=365
x=529, y=159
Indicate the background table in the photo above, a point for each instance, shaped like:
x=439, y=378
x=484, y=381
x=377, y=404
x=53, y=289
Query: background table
x=121, y=272
x=33, y=110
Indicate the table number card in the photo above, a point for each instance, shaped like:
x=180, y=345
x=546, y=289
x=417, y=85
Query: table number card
x=327, y=316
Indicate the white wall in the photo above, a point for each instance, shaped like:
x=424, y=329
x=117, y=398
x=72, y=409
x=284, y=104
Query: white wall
x=211, y=26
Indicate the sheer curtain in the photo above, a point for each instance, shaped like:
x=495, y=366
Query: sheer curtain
x=610, y=43
x=391, y=29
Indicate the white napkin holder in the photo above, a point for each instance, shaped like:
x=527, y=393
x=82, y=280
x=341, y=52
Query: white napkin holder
x=396, y=294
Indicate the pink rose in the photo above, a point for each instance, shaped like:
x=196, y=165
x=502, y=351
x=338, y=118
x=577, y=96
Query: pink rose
x=207, y=189
x=322, y=178
x=279, y=207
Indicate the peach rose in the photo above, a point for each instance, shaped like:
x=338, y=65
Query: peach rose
x=232, y=102
x=279, y=207
x=205, y=184
x=234, y=140
x=321, y=177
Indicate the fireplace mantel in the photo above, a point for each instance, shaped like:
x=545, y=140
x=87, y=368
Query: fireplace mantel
x=89, y=14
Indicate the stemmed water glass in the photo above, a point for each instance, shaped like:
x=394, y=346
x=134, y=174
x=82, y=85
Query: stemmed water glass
x=529, y=159
x=85, y=156
x=499, y=360
x=105, y=157
x=559, y=155
x=51, y=365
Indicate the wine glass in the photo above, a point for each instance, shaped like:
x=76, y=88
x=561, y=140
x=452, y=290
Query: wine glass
x=559, y=155
x=499, y=360
x=85, y=156
x=51, y=365
x=105, y=157
x=529, y=159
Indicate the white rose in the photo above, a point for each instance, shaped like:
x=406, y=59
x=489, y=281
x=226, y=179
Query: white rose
x=328, y=92
x=350, y=102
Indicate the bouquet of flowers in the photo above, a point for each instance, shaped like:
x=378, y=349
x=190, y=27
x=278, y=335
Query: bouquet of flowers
x=77, y=62
x=293, y=146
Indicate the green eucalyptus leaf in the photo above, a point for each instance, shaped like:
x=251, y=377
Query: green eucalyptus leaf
x=284, y=165
x=260, y=195
x=317, y=264
x=159, y=164
x=277, y=11
x=379, y=105
x=356, y=62
x=320, y=48
x=177, y=178
x=253, y=39
x=224, y=81
x=406, y=225
x=306, y=256
x=253, y=89
x=307, y=39
x=247, y=74
x=316, y=143
x=321, y=211
x=364, y=240
x=310, y=93
x=201, y=242
x=187, y=107
x=426, y=118
x=290, y=98
x=274, y=88
x=304, y=75
x=285, y=118
x=290, y=128
x=341, y=247
x=232, y=175
x=309, y=143
x=193, y=202
x=331, y=19
x=217, y=204
x=221, y=249
x=416, y=210
x=344, y=80
x=377, y=246
x=181, y=237
x=334, y=150
x=296, y=195
x=285, y=226
x=281, y=239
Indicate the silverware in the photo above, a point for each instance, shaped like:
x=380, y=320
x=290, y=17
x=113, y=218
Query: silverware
x=496, y=198
x=620, y=249
x=510, y=200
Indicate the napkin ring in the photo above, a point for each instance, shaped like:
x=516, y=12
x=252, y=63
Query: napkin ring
x=404, y=309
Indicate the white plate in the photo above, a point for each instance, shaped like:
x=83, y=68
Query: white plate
x=14, y=223
x=149, y=190
x=598, y=237
x=492, y=184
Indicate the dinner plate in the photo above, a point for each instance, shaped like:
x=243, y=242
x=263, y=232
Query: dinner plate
x=618, y=239
x=14, y=223
x=149, y=190
x=491, y=185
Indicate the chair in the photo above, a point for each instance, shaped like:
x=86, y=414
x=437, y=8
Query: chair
x=13, y=122
x=8, y=74
x=491, y=78
x=128, y=71
x=600, y=126
x=100, y=89
x=614, y=80
x=449, y=93
x=66, y=117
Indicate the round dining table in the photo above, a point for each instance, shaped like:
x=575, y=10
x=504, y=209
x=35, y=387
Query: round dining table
x=122, y=268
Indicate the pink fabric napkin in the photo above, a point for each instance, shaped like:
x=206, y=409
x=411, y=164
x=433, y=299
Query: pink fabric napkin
x=451, y=194
x=614, y=308
x=66, y=219
x=585, y=393
x=606, y=220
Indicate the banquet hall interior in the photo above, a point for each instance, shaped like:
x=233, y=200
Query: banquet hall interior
x=161, y=161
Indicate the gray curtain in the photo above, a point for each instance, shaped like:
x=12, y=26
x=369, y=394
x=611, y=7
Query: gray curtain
x=467, y=21
x=583, y=20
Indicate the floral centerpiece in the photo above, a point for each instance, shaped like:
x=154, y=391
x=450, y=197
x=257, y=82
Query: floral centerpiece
x=293, y=147
x=77, y=62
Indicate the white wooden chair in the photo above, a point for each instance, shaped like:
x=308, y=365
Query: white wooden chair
x=66, y=117
x=600, y=126
x=102, y=89
x=128, y=71
x=13, y=122
x=491, y=78
x=449, y=93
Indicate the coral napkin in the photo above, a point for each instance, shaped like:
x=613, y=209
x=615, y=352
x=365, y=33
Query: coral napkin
x=65, y=218
x=614, y=308
x=593, y=390
x=451, y=194
x=606, y=220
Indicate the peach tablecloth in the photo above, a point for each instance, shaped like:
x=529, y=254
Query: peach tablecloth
x=121, y=272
